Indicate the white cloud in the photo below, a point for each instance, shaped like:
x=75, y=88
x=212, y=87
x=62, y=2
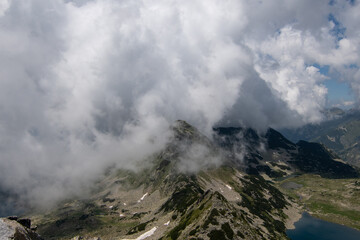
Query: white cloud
x=88, y=84
x=281, y=62
x=4, y=5
x=344, y=104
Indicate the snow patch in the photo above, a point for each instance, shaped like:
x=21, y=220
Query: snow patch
x=144, y=235
x=147, y=234
x=143, y=197
x=167, y=223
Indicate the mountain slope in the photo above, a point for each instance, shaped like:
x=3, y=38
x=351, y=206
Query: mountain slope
x=334, y=200
x=276, y=156
x=341, y=134
x=198, y=207
x=195, y=188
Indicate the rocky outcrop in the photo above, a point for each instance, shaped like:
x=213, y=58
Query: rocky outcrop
x=17, y=229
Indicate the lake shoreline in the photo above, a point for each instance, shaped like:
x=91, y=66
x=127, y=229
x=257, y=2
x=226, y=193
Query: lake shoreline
x=294, y=215
x=312, y=228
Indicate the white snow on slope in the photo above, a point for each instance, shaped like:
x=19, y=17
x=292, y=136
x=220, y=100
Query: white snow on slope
x=143, y=197
x=145, y=235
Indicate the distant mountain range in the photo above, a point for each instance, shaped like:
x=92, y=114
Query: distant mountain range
x=197, y=188
x=340, y=133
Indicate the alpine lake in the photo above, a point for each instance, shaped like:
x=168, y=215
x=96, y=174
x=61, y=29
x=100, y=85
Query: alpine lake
x=310, y=228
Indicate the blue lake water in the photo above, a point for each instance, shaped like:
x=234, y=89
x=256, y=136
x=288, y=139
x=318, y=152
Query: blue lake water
x=310, y=228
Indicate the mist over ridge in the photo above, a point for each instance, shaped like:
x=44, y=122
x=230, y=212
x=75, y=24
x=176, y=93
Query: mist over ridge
x=85, y=85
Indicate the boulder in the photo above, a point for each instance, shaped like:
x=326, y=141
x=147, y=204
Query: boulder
x=25, y=222
x=12, y=229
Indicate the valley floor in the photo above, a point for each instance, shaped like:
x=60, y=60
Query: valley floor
x=333, y=200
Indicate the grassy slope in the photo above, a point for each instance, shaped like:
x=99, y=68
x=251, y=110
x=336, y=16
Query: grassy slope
x=334, y=200
x=82, y=220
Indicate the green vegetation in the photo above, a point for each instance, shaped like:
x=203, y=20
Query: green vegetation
x=330, y=208
x=222, y=173
x=186, y=221
x=139, y=228
x=212, y=218
x=132, y=180
x=240, y=234
x=264, y=205
x=283, y=167
x=228, y=231
x=334, y=200
x=270, y=172
x=183, y=197
x=216, y=235
x=81, y=218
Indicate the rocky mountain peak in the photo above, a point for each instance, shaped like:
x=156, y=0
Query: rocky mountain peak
x=183, y=131
x=276, y=140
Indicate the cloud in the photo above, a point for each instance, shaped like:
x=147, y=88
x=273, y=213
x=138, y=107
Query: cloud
x=344, y=104
x=88, y=84
x=4, y=5
x=197, y=157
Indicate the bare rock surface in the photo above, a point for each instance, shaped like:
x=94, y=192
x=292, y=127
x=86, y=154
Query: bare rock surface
x=12, y=229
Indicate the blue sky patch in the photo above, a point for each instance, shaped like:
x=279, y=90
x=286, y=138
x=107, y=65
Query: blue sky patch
x=338, y=30
x=338, y=92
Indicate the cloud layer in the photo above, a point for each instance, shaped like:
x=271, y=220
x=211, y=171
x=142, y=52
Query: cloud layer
x=88, y=84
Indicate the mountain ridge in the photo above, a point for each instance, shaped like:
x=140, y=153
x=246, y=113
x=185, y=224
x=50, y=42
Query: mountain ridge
x=340, y=133
x=232, y=197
